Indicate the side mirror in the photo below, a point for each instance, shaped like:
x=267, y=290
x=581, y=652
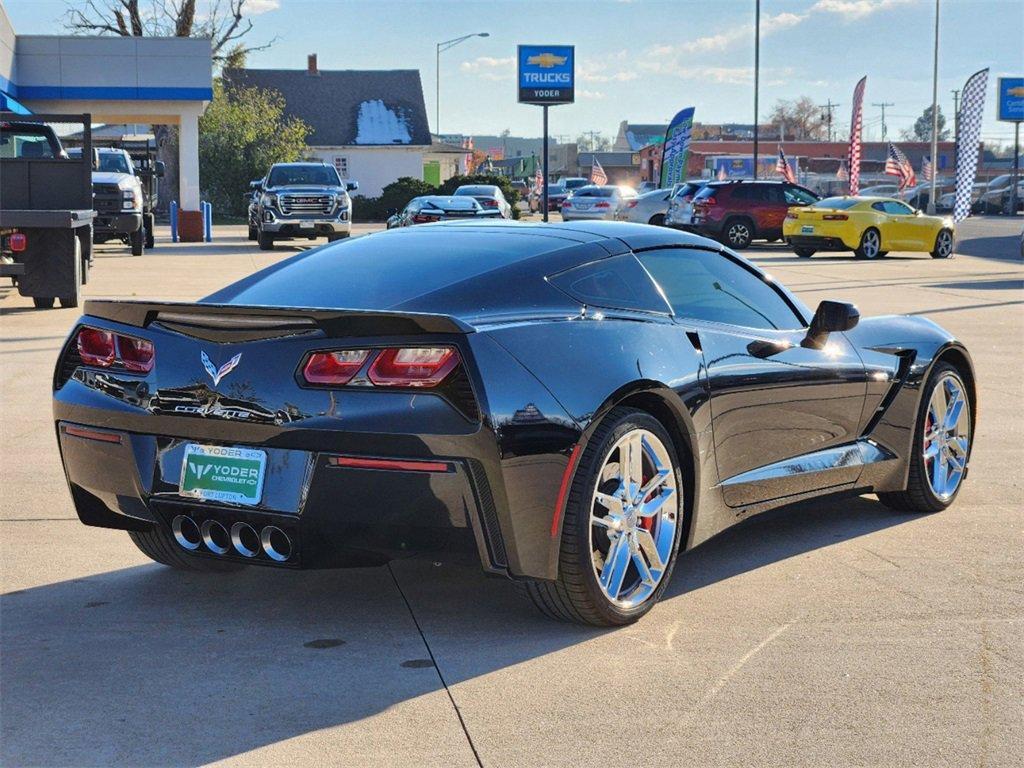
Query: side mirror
x=351, y=186
x=830, y=317
x=95, y=159
x=159, y=165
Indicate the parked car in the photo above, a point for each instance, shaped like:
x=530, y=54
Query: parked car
x=648, y=208
x=737, y=212
x=947, y=200
x=868, y=226
x=428, y=209
x=597, y=202
x=680, y=206
x=646, y=186
x=572, y=183
x=391, y=397
x=556, y=195
x=118, y=199
x=488, y=195
x=996, y=197
x=303, y=200
x=880, y=190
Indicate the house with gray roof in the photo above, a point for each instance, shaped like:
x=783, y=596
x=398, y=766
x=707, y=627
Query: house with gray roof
x=370, y=124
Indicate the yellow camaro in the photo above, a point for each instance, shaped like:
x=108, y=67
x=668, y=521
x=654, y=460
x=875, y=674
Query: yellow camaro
x=868, y=226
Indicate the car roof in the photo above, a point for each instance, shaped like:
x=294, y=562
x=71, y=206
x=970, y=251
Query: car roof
x=299, y=164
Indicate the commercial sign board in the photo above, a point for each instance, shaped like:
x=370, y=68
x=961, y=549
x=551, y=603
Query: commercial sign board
x=547, y=74
x=1010, y=99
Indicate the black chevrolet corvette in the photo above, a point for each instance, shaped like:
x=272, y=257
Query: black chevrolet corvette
x=570, y=404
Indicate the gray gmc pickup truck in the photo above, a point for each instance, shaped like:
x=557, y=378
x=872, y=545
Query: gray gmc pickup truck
x=303, y=200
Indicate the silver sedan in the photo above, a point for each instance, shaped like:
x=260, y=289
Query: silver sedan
x=597, y=202
x=648, y=208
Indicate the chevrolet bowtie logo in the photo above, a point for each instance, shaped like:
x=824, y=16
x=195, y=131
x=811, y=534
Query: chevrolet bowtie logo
x=547, y=60
x=1018, y=91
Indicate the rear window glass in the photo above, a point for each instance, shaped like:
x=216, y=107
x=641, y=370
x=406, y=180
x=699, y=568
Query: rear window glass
x=476, y=191
x=687, y=190
x=594, y=192
x=705, y=193
x=836, y=203
x=616, y=283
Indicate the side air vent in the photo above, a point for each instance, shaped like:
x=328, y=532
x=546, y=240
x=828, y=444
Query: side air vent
x=69, y=361
x=460, y=392
x=488, y=514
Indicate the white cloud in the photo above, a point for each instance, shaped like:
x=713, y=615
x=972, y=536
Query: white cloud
x=594, y=71
x=855, y=10
x=257, y=7
x=491, y=68
x=583, y=93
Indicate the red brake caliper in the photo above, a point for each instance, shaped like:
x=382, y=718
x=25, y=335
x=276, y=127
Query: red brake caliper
x=648, y=522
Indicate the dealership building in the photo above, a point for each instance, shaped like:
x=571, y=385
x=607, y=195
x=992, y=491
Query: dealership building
x=146, y=80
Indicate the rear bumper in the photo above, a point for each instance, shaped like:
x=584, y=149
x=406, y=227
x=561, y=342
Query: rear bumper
x=337, y=509
x=571, y=215
x=818, y=242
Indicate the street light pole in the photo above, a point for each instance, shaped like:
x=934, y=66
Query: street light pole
x=935, y=115
x=757, y=72
x=444, y=46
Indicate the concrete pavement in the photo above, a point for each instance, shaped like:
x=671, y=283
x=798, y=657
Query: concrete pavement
x=836, y=632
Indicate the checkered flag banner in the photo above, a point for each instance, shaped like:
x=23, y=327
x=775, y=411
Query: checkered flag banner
x=856, y=123
x=971, y=107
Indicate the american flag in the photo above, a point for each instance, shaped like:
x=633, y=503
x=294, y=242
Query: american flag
x=538, y=176
x=856, y=123
x=783, y=168
x=896, y=164
x=722, y=175
x=927, y=170
x=597, y=174
x=841, y=174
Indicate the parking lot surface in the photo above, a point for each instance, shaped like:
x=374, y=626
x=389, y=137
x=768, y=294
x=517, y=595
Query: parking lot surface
x=837, y=632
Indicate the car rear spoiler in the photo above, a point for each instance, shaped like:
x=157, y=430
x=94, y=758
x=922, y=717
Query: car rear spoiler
x=234, y=321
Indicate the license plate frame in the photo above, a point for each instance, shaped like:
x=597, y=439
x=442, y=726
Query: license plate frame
x=307, y=224
x=807, y=229
x=218, y=482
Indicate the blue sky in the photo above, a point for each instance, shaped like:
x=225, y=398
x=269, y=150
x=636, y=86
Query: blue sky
x=642, y=60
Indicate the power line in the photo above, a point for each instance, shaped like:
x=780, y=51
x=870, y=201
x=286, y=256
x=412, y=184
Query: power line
x=827, y=116
x=883, y=105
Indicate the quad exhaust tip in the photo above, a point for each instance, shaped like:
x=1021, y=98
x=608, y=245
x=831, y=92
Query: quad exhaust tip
x=245, y=539
x=242, y=537
x=215, y=537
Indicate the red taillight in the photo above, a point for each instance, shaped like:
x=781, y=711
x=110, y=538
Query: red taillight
x=835, y=217
x=96, y=347
x=792, y=215
x=632, y=203
x=707, y=201
x=336, y=368
x=566, y=204
x=421, y=218
x=602, y=205
x=413, y=366
x=136, y=354
x=104, y=348
x=488, y=203
x=17, y=242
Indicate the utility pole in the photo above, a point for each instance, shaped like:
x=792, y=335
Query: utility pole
x=757, y=73
x=883, y=105
x=593, y=136
x=827, y=116
x=935, y=116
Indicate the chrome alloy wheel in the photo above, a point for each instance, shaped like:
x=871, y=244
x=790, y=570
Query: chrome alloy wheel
x=633, y=519
x=944, y=244
x=870, y=244
x=947, y=436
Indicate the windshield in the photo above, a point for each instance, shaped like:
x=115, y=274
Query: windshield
x=836, y=203
x=296, y=175
x=479, y=190
x=575, y=183
x=110, y=162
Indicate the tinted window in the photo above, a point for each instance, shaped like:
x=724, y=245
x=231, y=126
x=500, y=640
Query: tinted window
x=709, y=286
x=24, y=141
x=481, y=190
x=318, y=175
x=686, y=189
x=708, y=191
x=575, y=183
x=619, y=283
x=837, y=203
x=798, y=196
x=595, y=192
x=893, y=206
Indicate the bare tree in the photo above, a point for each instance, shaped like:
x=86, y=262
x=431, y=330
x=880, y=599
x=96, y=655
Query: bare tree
x=798, y=119
x=223, y=21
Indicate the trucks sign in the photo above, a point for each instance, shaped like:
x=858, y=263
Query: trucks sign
x=1010, y=98
x=547, y=74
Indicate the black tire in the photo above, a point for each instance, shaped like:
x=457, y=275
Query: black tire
x=137, y=240
x=882, y=254
x=870, y=244
x=160, y=547
x=804, y=253
x=150, y=224
x=918, y=495
x=944, y=245
x=575, y=595
x=266, y=240
x=71, y=300
x=254, y=233
x=657, y=220
x=43, y=302
x=335, y=236
x=737, y=233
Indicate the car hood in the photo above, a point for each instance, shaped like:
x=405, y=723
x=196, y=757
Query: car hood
x=306, y=189
x=109, y=177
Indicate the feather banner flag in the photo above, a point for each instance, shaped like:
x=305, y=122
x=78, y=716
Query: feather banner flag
x=856, y=123
x=971, y=106
x=676, y=148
